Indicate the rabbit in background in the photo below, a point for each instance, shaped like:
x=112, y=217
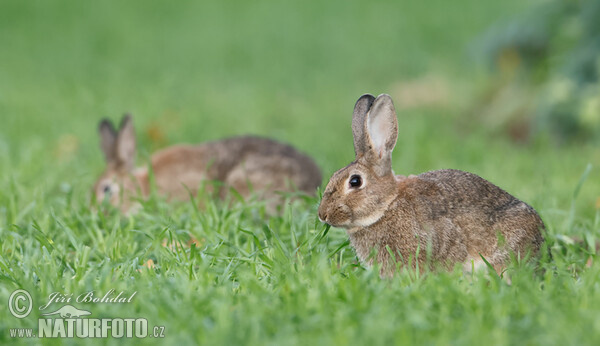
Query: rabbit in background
x=247, y=164
x=452, y=217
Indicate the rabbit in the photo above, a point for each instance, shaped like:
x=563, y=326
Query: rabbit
x=247, y=164
x=444, y=217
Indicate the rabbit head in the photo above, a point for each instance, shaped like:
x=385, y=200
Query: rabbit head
x=117, y=183
x=358, y=194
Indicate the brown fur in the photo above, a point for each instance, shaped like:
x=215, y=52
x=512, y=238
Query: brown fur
x=449, y=215
x=247, y=164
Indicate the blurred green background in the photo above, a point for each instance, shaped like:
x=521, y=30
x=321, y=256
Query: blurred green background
x=196, y=71
x=505, y=89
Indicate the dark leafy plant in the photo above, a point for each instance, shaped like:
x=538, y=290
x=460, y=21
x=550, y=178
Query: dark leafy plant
x=551, y=55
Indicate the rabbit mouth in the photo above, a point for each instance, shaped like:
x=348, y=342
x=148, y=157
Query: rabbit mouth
x=335, y=221
x=340, y=216
x=344, y=217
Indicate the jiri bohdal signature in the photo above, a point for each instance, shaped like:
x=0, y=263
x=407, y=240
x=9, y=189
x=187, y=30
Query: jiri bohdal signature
x=90, y=297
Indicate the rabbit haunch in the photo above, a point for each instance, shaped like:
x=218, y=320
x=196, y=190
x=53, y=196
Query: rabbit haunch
x=247, y=164
x=448, y=215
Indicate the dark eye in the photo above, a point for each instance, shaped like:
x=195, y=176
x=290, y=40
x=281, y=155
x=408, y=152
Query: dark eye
x=355, y=181
x=106, y=189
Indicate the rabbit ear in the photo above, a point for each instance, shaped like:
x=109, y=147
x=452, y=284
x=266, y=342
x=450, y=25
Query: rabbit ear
x=108, y=139
x=125, y=146
x=358, y=123
x=382, y=133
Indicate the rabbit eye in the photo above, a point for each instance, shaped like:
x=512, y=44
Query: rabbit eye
x=106, y=189
x=355, y=181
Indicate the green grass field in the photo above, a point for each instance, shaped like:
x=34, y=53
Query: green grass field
x=191, y=72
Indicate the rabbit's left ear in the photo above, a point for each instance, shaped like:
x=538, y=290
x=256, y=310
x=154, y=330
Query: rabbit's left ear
x=382, y=133
x=125, y=149
x=108, y=140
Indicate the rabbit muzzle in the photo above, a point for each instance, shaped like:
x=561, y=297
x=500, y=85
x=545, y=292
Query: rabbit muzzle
x=336, y=215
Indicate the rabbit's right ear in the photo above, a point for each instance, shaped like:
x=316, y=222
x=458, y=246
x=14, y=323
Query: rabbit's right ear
x=108, y=140
x=359, y=117
x=125, y=146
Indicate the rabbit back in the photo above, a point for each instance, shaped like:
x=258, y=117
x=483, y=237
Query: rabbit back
x=262, y=164
x=245, y=163
x=492, y=221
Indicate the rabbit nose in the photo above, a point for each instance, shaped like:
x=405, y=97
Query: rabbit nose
x=322, y=216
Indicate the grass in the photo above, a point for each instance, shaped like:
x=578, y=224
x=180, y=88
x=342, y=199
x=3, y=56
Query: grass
x=193, y=72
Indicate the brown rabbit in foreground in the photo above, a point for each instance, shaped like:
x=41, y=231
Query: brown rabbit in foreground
x=246, y=164
x=454, y=216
